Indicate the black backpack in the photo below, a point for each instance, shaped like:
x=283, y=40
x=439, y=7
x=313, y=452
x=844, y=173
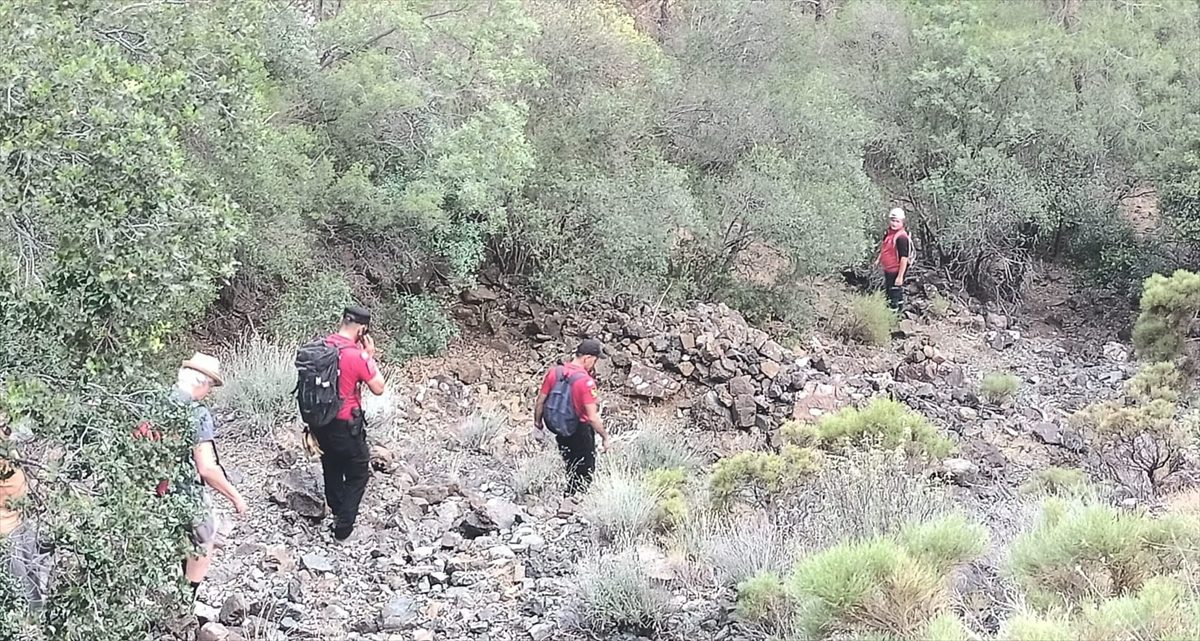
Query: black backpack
x=559, y=415
x=317, y=382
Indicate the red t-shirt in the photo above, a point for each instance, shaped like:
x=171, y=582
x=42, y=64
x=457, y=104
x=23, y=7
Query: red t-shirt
x=355, y=368
x=583, y=390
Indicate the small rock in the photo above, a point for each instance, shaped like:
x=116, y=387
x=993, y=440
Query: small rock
x=997, y=321
x=1047, y=433
x=317, y=562
x=432, y=494
x=422, y=635
x=469, y=373
x=745, y=409
x=399, y=613
x=646, y=382
x=213, y=632
x=770, y=369
x=741, y=386
x=478, y=296
x=968, y=414
x=383, y=459
x=300, y=491
x=961, y=471
x=234, y=611
x=205, y=612
x=541, y=631
x=535, y=542
x=502, y=552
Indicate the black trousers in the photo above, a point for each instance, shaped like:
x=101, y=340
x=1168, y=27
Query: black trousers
x=346, y=463
x=895, y=294
x=579, y=453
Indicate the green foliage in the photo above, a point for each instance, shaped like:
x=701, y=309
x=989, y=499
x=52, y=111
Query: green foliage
x=882, y=423
x=260, y=376
x=1000, y=387
x=668, y=485
x=763, y=599
x=1081, y=553
x=939, y=306
x=761, y=477
x=869, y=320
x=1169, y=306
x=885, y=586
x=1155, y=381
x=1028, y=627
x=1057, y=481
x=423, y=328
x=311, y=306
x=655, y=445
x=1160, y=610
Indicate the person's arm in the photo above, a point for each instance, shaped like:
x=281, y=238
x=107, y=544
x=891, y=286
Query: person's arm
x=593, y=418
x=902, y=250
x=374, y=377
x=539, y=406
x=213, y=474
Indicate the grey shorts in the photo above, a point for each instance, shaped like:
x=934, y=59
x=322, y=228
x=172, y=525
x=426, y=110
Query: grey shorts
x=206, y=529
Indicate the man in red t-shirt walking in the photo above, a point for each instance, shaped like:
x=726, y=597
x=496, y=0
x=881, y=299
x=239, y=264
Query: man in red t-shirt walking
x=893, y=258
x=579, y=449
x=345, y=454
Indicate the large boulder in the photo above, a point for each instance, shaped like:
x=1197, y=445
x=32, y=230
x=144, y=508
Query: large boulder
x=646, y=382
x=300, y=490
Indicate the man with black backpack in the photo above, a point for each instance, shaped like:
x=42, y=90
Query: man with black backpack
x=568, y=407
x=330, y=373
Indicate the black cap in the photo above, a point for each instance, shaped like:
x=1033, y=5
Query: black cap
x=590, y=347
x=356, y=314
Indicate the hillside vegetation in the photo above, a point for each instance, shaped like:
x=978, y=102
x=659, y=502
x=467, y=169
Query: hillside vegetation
x=256, y=164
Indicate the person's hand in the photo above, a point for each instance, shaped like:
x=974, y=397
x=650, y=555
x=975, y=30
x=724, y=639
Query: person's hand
x=368, y=345
x=604, y=444
x=899, y=281
x=539, y=433
x=239, y=506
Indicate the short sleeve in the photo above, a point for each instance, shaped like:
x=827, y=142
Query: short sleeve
x=587, y=392
x=548, y=382
x=206, y=426
x=370, y=368
x=903, y=247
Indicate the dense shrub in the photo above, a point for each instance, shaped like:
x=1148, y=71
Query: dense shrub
x=762, y=478
x=259, y=383
x=1141, y=445
x=614, y=593
x=1080, y=553
x=1161, y=610
x=763, y=599
x=1029, y=627
x=540, y=474
x=1155, y=381
x=883, y=586
x=1169, y=307
x=737, y=549
x=421, y=328
x=668, y=486
x=310, y=307
x=1057, y=481
x=939, y=306
x=868, y=320
x=881, y=423
x=1000, y=387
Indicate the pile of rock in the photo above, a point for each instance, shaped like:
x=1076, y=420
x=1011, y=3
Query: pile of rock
x=746, y=378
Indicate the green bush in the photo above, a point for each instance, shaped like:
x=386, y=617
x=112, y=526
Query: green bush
x=423, y=329
x=1155, y=381
x=939, y=306
x=882, y=423
x=1169, y=306
x=1000, y=387
x=1029, y=627
x=1141, y=445
x=310, y=307
x=947, y=627
x=763, y=600
x=869, y=320
x=614, y=593
x=760, y=477
x=1057, y=481
x=1081, y=553
x=885, y=586
x=259, y=382
x=668, y=486
x=1161, y=610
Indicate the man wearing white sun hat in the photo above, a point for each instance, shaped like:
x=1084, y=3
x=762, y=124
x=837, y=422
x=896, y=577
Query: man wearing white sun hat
x=196, y=378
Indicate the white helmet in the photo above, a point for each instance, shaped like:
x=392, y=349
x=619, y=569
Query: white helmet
x=896, y=214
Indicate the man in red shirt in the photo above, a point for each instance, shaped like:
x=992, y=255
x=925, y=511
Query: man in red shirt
x=893, y=258
x=345, y=454
x=579, y=449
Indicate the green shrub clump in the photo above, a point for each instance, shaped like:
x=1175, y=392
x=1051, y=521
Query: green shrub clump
x=1057, y=481
x=310, y=307
x=667, y=485
x=614, y=593
x=869, y=320
x=1159, y=611
x=1081, y=552
x=1000, y=387
x=889, y=586
x=882, y=423
x=763, y=599
x=762, y=477
x=1169, y=306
